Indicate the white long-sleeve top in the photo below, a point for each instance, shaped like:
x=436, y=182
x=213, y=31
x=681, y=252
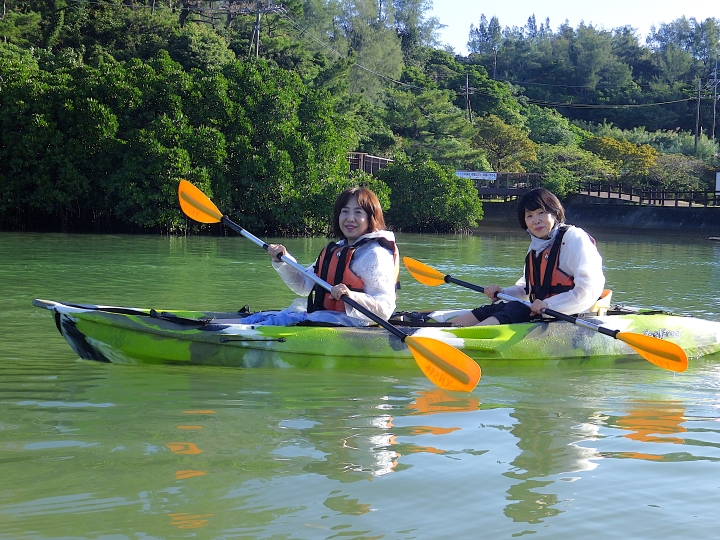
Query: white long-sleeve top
x=580, y=259
x=372, y=263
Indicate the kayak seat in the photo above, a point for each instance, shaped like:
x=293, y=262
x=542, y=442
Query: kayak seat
x=602, y=305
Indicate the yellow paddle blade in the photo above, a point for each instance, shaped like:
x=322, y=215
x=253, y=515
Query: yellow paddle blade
x=425, y=274
x=447, y=367
x=196, y=205
x=662, y=353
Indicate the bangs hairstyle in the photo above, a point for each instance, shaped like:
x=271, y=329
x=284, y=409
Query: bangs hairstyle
x=368, y=201
x=540, y=198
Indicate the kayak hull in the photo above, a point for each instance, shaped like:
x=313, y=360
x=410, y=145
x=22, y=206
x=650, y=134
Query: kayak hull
x=144, y=336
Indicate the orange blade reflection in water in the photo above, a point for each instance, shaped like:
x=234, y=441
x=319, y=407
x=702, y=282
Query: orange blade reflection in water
x=441, y=401
x=438, y=401
x=189, y=473
x=646, y=422
x=183, y=448
x=189, y=521
x=652, y=422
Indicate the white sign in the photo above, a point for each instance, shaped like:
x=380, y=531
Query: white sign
x=717, y=182
x=477, y=175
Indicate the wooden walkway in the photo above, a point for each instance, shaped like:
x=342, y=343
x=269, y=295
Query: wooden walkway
x=650, y=197
x=604, y=194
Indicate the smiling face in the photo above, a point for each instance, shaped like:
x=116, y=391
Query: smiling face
x=539, y=222
x=353, y=220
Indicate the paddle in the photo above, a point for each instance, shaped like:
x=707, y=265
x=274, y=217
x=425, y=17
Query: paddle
x=662, y=353
x=443, y=364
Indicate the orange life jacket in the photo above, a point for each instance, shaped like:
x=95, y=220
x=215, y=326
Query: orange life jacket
x=543, y=276
x=333, y=266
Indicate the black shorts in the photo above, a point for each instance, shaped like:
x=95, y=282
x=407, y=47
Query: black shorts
x=504, y=312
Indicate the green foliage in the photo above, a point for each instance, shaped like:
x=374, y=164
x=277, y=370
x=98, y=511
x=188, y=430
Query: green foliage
x=581, y=163
x=631, y=161
x=199, y=46
x=427, y=197
x=560, y=181
x=563, y=167
x=507, y=147
x=595, y=71
x=20, y=27
x=664, y=141
x=428, y=123
x=375, y=137
x=103, y=106
x=549, y=126
x=486, y=95
x=677, y=172
x=111, y=142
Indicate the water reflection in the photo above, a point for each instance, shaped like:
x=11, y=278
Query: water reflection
x=440, y=401
x=221, y=453
x=372, y=448
x=250, y=440
x=650, y=422
x=548, y=447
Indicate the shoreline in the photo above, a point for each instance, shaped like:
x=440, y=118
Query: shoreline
x=693, y=221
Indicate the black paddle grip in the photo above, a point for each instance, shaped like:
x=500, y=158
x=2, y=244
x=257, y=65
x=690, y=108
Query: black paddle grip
x=608, y=332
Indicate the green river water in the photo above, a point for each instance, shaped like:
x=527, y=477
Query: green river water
x=97, y=451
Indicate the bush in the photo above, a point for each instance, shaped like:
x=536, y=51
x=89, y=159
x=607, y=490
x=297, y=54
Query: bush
x=427, y=197
x=561, y=182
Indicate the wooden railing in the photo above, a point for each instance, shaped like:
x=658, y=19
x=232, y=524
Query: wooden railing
x=366, y=163
x=645, y=196
x=508, y=186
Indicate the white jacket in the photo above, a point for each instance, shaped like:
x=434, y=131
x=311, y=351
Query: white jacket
x=372, y=263
x=580, y=259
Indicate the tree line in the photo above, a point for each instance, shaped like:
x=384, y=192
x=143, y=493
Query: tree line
x=608, y=76
x=105, y=105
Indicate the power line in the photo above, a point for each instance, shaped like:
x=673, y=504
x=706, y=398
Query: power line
x=236, y=8
x=597, y=106
x=305, y=32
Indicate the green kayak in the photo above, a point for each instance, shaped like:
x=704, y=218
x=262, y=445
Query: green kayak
x=148, y=336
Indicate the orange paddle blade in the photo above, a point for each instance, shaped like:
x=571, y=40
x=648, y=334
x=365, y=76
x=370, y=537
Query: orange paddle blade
x=662, y=353
x=423, y=273
x=196, y=205
x=447, y=367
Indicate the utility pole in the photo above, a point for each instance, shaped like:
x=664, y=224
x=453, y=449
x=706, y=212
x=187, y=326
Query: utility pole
x=715, y=86
x=469, y=90
x=239, y=7
x=697, y=119
x=495, y=50
x=255, y=36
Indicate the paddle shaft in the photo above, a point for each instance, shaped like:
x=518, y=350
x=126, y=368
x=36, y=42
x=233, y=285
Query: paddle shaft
x=317, y=279
x=547, y=311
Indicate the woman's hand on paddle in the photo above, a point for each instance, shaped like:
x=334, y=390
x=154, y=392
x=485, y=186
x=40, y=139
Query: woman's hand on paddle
x=339, y=290
x=537, y=307
x=276, y=251
x=491, y=291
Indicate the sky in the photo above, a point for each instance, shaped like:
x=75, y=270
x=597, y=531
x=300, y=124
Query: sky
x=640, y=14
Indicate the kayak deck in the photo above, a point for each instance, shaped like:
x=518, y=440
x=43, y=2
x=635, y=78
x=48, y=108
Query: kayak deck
x=146, y=336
